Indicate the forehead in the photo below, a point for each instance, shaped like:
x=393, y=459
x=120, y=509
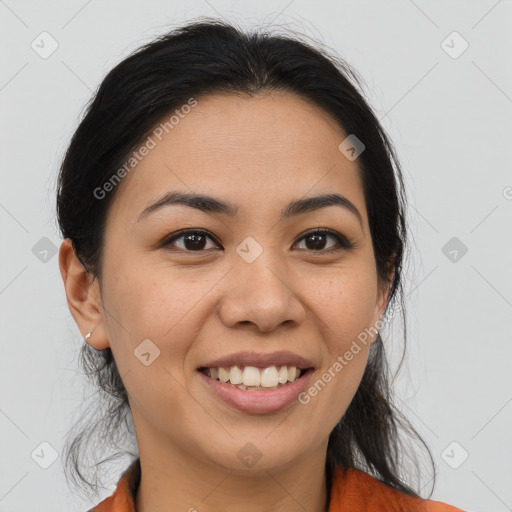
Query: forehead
x=249, y=150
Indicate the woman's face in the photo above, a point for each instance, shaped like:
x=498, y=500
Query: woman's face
x=257, y=282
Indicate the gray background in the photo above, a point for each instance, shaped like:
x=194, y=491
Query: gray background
x=450, y=121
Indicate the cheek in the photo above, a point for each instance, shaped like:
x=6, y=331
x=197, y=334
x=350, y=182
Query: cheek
x=145, y=302
x=346, y=305
x=154, y=302
x=149, y=300
x=349, y=317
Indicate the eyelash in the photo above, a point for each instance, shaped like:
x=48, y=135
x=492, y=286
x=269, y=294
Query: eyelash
x=342, y=241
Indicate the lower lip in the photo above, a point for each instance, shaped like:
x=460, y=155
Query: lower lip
x=258, y=402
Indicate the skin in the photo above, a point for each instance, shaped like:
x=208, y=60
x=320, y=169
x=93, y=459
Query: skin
x=260, y=153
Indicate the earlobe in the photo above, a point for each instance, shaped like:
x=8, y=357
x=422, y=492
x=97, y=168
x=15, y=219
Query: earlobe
x=83, y=296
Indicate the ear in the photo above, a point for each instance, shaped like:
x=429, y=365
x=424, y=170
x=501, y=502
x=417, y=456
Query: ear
x=383, y=296
x=83, y=296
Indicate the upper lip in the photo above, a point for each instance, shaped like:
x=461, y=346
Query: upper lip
x=280, y=358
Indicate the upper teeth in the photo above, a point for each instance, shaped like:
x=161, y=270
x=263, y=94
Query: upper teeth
x=253, y=376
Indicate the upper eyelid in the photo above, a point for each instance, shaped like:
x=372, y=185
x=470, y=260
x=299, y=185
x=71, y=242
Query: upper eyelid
x=184, y=232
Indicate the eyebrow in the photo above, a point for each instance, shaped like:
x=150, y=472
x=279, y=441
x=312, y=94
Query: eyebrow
x=212, y=205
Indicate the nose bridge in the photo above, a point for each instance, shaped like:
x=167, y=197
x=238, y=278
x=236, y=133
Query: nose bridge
x=259, y=271
x=259, y=291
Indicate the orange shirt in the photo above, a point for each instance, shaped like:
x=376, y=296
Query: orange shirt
x=352, y=491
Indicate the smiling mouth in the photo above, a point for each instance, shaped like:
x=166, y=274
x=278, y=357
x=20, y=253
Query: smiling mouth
x=252, y=378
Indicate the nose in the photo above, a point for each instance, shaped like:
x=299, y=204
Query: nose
x=259, y=295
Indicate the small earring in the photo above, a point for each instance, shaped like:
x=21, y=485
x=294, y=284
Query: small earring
x=87, y=336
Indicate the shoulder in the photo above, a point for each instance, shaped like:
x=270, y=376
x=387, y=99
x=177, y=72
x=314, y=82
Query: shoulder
x=358, y=491
x=123, y=498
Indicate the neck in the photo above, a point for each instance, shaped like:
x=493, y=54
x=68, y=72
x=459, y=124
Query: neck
x=181, y=482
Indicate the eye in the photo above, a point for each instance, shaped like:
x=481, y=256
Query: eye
x=316, y=240
x=193, y=240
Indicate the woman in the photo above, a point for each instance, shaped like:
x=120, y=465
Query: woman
x=233, y=223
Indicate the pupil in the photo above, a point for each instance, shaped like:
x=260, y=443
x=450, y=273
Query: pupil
x=318, y=241
x=193, y=238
